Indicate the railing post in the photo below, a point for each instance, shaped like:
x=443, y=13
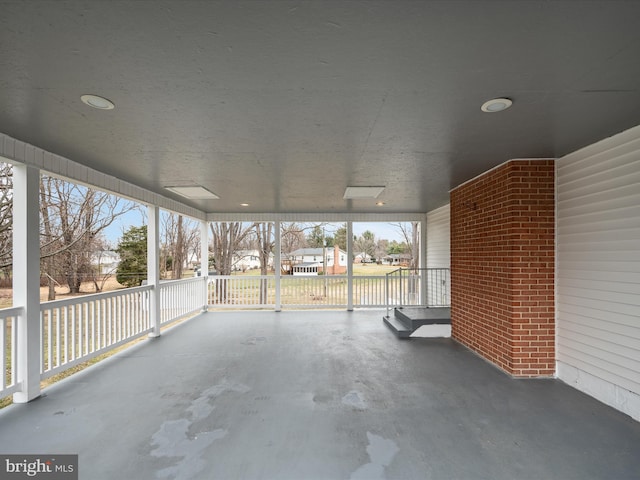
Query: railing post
x=153, y=268
x=386, y=293
x=26, y=280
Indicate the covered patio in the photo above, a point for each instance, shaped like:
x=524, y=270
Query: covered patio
x=317, y=395
x=514, y=150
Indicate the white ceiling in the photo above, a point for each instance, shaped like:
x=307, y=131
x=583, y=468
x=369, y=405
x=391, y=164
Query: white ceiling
x=283, y=104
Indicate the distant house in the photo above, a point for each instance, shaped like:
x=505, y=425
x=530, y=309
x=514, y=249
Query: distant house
x=362, y=257
x=248, y=260
x=399, y=259
x=105, y=261
x=310, y=261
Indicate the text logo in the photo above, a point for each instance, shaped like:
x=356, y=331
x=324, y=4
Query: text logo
x=50, y=467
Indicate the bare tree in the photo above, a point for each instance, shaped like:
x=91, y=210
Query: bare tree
x=411, y=232
x=73, y=217
x=226, y=238
x=179, y=237
x=6, y=217
x=381, y=249
x=264, y=237
x=47, y=240
x=366, y=243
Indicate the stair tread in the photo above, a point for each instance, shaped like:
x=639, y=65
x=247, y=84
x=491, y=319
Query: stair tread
x=415, y=317
x=400, y=329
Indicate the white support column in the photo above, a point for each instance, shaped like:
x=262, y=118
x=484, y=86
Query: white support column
x=350, y=266
x=424, y=300
x=153, y=268
x=26, y=279
x=204, y=261
x=276, y=263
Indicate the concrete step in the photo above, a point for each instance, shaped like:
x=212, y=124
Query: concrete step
x=398, y=328
x=415, y=317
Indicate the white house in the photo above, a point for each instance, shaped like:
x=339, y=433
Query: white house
x=105, y=261
x=310, y=261
x=248, y=260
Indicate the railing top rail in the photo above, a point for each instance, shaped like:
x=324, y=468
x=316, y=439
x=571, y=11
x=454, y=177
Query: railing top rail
x=181, y=280
x=415, y=269
x=11, y=311
x=393, y=272
x=93, y=296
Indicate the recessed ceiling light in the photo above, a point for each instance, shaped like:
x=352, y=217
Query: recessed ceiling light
x=95, y=101
x=194, y=192
x=379, y=204
x=496, y=105
x=362, y=192
x=244, y=204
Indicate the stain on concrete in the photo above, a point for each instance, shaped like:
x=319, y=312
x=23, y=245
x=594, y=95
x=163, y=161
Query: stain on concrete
x=354, y=399
x=381, y=453
x=172, y=440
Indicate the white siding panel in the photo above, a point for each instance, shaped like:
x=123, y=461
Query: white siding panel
x=438, y=238
x=600, y=369
x=597, y=284
x=606, y=175
x=600, y=297
x=598, y=270
x=439, y=249
x=604, y=317
x=626, y=195
x=617, y=334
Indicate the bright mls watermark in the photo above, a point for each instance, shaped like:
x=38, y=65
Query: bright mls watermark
x=51, y=467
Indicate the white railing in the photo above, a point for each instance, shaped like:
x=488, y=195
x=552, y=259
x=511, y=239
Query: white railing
x=368, y=291
x=226, y=291
x=314, y=291
x=8, y=351
x=426, y=287
x=78, y=329
x=330, y=291
x=181, y=297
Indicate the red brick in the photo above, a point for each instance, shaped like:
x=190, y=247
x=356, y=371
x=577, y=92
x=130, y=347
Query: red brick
x=502, y=266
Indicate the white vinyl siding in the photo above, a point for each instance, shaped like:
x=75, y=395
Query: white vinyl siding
x=438, y=238
x=598, y=270
x=439, y=255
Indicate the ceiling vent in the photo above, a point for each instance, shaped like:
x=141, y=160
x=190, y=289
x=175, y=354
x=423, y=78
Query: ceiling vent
x=362, y=192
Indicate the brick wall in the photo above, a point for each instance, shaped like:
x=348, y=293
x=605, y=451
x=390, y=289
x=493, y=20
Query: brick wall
x=502, y=266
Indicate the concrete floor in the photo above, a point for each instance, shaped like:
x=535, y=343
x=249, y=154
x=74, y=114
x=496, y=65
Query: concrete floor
x=317, y=395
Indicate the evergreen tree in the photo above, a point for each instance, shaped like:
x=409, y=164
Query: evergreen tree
x=340, y=238
x=132, y=249
x=316, y=237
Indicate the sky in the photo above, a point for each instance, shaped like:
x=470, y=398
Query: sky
x=381, y=230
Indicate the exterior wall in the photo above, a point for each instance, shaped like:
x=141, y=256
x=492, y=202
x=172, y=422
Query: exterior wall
x=438, y=239
x=336, y=262
x=502, y=266
x=598, y=270
x=439, y=254
x=314, y=255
